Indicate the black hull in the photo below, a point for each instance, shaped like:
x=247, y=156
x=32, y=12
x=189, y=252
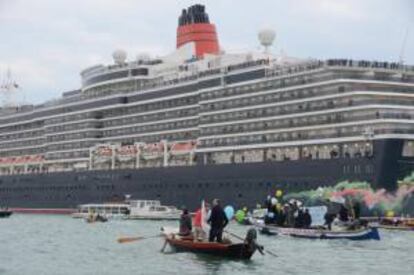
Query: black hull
x=241, y=184
x=5, y=214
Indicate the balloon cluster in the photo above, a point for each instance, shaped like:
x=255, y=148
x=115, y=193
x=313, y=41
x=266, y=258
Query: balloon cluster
x=379, y=201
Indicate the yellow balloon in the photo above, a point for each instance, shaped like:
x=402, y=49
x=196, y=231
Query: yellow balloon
x=389, y=214
x=279, y=193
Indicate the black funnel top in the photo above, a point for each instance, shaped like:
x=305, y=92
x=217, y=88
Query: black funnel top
x=193, y=15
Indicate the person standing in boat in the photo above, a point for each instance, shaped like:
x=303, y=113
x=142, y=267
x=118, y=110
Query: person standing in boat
x=218, y=221
x=357, y=210
x=307, y=219
x=329, y=218
x=343, y=214
x=300, y=219
x=185, y=223
x=198, y=220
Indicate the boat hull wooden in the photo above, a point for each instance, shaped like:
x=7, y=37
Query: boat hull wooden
x=231, y=251
x=397, y=227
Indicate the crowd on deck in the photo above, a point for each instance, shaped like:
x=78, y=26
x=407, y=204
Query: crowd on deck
x=292, y=214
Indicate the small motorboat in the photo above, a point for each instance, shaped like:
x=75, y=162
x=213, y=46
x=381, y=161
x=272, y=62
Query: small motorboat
x=129, y=210
x=4, y=213
x=397, y=227
x=96, y=218
x=152, y=210
x=242, y=250
x=368, y=233
x=402, y=224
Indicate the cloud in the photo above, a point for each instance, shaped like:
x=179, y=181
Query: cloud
x=48, y=42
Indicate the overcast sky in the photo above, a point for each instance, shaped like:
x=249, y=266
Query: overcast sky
x=46, y=43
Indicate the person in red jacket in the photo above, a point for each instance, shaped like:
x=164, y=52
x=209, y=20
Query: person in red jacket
x=198, y=226
x=199, y=216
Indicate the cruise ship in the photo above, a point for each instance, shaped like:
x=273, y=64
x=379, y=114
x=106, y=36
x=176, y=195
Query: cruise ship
x=201, y=123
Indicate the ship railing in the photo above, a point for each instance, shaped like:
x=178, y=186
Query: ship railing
x=365, y=64
x=279, y=70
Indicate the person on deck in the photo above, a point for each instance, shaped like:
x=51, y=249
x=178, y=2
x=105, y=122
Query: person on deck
x=307, y=219
x=343, y=214
x=218, y=221
x=299, y=220
x=329, y=218
x=185, y=223
x=281, y=216
x=357, y=211
x=291, y=215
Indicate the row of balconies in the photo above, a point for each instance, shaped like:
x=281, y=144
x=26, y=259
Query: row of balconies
x=151, y=128
x=304, y=108
x=152, y=117
x=316, y=120
x=266, y=85
x=296, y=80
x=292, y=95
x=329, y=151
x=287, y=136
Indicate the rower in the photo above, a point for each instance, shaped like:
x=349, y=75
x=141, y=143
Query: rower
x=218, y=220
x=185, y=224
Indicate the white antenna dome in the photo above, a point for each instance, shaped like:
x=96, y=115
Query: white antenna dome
x=119, y=56
x=267, y=37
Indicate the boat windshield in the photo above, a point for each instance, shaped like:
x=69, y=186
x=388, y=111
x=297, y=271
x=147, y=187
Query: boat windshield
x=158, y=208
x=103, y=209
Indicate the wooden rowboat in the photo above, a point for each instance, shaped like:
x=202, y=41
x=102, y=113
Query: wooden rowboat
x=243, y=250
x=370, y=233
x=396, y=227
x=403, y=224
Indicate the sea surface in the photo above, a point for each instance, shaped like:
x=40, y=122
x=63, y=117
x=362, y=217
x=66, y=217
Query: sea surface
x=48, y=244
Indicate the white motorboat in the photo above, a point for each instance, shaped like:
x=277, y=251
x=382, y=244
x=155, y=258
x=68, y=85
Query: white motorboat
x=152, y=210
x=130, y=209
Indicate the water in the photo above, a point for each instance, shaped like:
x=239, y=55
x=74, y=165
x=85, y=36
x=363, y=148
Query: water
x=42, y=245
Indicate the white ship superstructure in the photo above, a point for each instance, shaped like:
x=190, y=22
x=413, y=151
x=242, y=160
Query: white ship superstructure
x=232, y=108
x=202, y=107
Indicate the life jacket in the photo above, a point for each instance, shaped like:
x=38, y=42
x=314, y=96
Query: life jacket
x=197, y=218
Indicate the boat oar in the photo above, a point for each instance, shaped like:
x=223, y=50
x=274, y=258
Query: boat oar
x=164, y=246
x=259, y=247
x=133, y=239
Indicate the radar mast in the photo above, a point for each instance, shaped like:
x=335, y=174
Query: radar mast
x=8, y=89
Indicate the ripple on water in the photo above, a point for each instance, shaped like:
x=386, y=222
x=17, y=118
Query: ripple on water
x=35, y=244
